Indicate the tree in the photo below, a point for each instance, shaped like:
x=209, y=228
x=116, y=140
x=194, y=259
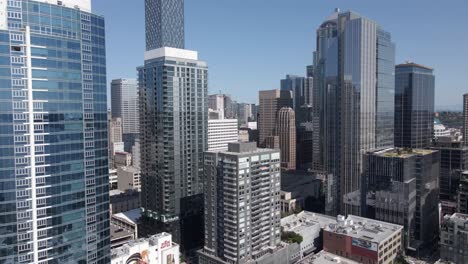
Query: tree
x=291, y=237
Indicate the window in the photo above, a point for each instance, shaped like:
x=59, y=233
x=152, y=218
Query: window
x=16, y=15
x=14, y=3
x=16, y=37
x=24, y=247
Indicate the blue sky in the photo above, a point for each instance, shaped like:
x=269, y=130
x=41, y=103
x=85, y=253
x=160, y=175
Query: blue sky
x=250, y=45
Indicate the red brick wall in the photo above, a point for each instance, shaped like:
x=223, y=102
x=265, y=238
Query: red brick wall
x=341, y=245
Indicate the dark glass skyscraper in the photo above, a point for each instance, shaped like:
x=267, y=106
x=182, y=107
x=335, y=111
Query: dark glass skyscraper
x=414, y=105
x=164, y=20
x=54, y=200
x=173, y=91
x=353, y=101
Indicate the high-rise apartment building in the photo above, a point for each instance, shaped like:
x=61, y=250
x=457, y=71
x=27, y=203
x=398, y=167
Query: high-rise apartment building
x=221, y=132
x=401, y=186
x=173, y=135
x=465, y=119
x=271, y=101
x=164, y=24
x=354, y=84
x=124, y=104
x=414, y=105
x=286, y=132
x=53, y=122
x=242, y=211
x=454, y=238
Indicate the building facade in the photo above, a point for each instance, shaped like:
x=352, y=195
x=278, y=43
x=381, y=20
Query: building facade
x=402, y=187
x=286, y=132
x=454, y=238
x=128, y=178
x=414, y=105
x=164, y=24
x=124, y=105
x=453, y=161
x=301, y=89
x=242, y=211
x=354, y=98
x=53, y=122
x=115, y=139
x=462, y=194
x=221, y=132
x=271, y=102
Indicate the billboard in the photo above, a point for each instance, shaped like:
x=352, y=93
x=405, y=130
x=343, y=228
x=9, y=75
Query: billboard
x=365, y=244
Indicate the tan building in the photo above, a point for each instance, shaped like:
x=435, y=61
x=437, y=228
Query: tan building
x=128, y=178
x=122, y=159
x=271, y=101
x=115, y=139
x=286, y=132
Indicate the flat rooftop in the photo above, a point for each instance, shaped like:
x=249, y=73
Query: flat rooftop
x=403, y=152
x=131, y=216
x=364, y=228
x=324, y=257
x=460, y=219
x=303, y=221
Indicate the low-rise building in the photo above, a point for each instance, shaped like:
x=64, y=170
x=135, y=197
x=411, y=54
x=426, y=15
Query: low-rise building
x=125, y=222
x=112, y=179
x=122, y=201
x=364, y=240
x=454, y=238
x=128, y=178
x=158, y=249
x=122, y=159
x=309, y=226
x=287, y=203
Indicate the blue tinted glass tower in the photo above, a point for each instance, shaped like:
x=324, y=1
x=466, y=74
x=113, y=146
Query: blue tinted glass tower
x=53, y=141
x=173, y=90
x=414, y=105
x=353, y=102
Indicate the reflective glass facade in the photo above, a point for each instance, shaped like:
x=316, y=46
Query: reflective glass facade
x=53, y=136
x=173, y=136
x=414, y=105
x=353, y=101
x=164, y=21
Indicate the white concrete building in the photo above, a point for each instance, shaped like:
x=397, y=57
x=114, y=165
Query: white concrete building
x=221, y=132
x=128, y=178
x=309, y=226
x=158, y=249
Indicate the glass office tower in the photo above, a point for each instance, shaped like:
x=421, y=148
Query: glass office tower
x=164, y=20
x=53, y=141
x=414, y=105
x=353, y=105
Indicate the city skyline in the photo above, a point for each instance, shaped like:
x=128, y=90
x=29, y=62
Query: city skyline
x=208, y=20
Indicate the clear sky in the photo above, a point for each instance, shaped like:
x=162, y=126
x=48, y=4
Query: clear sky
x=250, y=45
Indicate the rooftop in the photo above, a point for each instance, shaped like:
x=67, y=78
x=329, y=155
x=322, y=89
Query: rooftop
x=131, y=216
x=324, y=257
x=363, y=228
x=460, y=219
x=412, y=64
x=304, y=220
x=403, y=152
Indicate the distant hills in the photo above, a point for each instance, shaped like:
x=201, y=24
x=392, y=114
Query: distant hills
x=453, y=108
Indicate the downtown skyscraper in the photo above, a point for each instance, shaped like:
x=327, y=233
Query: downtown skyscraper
x=353, y=101
x=414, y=105
x=54, y=201
x=173, y=87
x=124, y=105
